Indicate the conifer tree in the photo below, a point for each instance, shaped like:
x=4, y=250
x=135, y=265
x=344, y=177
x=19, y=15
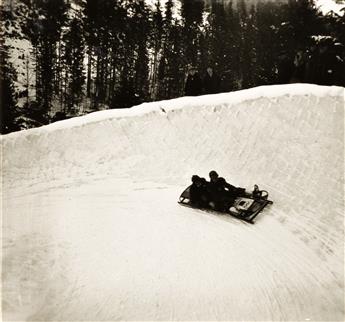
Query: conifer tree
x=9, y=110
x=165, y=64
x=42, y=24
x=174, y=62
x=268, y=45
x=73, y=59
x=302, y=21
x=192, y=17
x=231, y=69
x=251, y=46
x=141, y=68
x=156, y=47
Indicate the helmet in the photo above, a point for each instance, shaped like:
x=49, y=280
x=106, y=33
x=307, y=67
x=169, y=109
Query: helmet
x=195, y=178
x=213, y=174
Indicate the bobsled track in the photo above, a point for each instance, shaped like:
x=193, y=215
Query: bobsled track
x=92, y=230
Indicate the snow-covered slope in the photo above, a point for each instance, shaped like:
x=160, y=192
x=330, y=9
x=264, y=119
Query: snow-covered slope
x=92, y=230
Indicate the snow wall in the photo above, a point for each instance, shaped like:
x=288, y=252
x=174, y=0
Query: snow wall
x=289, y=139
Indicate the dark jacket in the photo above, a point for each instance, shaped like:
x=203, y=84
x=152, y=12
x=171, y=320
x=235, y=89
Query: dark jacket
x=223, y=194
x=324, y=68
x=199, y=194
x=193, y=85
x=221, y=185
x=211, y=84
x=285, y=69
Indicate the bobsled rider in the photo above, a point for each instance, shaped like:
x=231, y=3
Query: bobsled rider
x=199, y=195
x=259, y=194
x=223, y=194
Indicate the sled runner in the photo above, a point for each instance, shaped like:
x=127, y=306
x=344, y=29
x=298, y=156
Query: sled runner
x=245, y=208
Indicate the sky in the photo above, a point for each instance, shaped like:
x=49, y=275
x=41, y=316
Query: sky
x=328, y=5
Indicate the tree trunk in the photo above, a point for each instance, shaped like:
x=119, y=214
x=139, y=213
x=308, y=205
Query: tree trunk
x=88, y=80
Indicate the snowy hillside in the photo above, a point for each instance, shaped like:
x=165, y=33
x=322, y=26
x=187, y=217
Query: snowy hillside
x=92, y=229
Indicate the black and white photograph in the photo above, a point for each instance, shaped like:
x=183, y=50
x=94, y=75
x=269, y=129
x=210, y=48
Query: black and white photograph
x=172, y=160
